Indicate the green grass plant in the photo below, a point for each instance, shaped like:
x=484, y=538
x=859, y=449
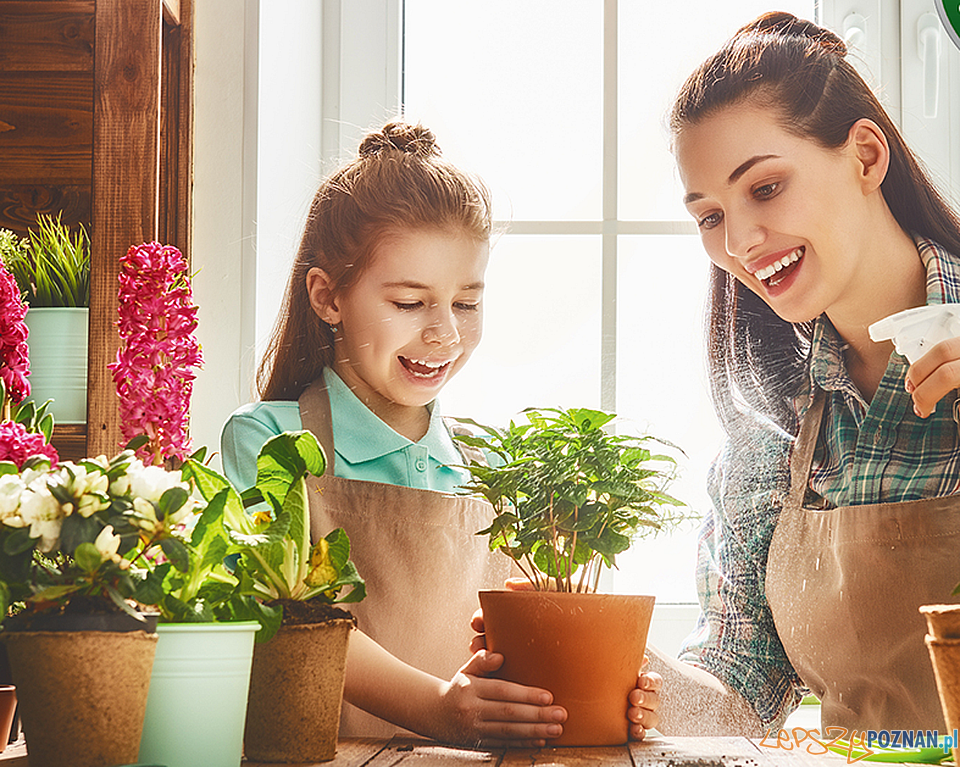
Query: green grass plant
x=51, y=265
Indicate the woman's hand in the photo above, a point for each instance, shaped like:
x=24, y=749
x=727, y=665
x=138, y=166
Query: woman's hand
x=935, y=375
x=496, y=713
x=644, y=701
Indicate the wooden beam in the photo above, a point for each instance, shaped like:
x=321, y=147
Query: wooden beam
x=171, y=12
x=125, y=184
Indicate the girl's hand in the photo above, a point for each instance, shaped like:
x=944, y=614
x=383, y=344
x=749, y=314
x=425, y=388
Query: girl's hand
x=496, y=713
x=935, y=375
x=644, y=701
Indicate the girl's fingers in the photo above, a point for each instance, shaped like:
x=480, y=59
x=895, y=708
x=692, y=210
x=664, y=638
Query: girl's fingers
x=518, y=734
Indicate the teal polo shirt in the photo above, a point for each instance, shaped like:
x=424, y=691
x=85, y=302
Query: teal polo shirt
x=366, y=448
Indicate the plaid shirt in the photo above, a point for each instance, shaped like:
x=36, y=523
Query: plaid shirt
x=874, y=453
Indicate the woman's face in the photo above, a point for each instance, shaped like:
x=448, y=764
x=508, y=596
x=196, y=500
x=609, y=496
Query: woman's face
x=777, y=211
x=413, y=318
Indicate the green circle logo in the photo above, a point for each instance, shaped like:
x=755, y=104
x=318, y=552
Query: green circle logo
x=949, y=11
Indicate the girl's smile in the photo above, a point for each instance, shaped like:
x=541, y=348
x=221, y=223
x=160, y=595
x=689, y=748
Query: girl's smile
x=408, y=324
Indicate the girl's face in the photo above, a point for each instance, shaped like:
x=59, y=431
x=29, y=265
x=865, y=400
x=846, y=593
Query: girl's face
x=777, y=211
x=412, y=319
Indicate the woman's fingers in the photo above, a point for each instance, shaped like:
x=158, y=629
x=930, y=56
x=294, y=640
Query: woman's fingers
x=934, y=376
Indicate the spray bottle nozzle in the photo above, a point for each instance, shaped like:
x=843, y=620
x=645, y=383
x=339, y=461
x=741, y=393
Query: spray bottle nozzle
x=916, y=331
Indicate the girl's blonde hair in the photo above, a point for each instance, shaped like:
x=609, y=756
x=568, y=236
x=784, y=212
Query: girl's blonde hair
x=398, y=181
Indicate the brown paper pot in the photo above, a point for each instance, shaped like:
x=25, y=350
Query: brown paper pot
x=586, y=649
x=82, y=694
x=296, y=687
x=945, y=656
x=943, y=621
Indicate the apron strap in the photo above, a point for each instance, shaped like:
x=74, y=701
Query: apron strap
x=315, y=417
x=802, y=457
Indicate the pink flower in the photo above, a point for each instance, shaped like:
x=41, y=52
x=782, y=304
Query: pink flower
x=17, y=444
x=154, y=370
x=14, y=359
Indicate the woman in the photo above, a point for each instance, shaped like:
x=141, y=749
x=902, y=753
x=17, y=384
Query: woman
x=819, y=222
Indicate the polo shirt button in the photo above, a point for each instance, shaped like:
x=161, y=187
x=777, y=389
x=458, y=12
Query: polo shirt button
x=421, y=464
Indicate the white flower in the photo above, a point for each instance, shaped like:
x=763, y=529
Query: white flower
x=151, y=482
x=148, y=514
x=11, y=488
x=108, y=544
x=89, y=488
x=40, y=510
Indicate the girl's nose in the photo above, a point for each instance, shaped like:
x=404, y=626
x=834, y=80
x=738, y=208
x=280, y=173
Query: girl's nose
x=442, y=329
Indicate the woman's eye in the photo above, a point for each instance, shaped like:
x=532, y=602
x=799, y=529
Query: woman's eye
x=709, y=221
x=766, y=190
x=405, y=306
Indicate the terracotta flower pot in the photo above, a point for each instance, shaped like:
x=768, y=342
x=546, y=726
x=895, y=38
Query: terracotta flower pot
x=8, y=707
x=82, y=694
x=586, y=649
x=943, y=644
x=296, y=687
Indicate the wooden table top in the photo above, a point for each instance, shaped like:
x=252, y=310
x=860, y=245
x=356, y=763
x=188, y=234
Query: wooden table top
x=659, y=751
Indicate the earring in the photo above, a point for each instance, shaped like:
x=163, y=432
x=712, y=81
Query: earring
x=332, y=326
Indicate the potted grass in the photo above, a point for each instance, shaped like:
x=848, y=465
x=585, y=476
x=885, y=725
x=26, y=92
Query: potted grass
x=568, y=496
x=52, y=269
x=296, y=686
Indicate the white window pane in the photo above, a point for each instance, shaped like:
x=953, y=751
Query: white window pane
x=513, y=92
x=541, y=330
x=662, y=386
x=653, y=66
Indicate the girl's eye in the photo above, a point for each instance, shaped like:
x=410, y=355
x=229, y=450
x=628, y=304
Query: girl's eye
x=710, y=221
x=465, y=307
x=407, y=306
x=766, y=190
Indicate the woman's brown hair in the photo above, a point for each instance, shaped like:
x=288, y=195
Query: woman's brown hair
x=398, y=181
x=800, y=71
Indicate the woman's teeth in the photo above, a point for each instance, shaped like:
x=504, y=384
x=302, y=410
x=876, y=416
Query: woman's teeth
x=423, y=368
x=768, y=271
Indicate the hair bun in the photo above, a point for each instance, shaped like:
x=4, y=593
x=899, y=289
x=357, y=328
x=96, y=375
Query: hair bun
x=785, y=24
x=415, y=140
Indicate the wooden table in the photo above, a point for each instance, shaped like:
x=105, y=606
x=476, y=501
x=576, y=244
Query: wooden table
x=656, y=752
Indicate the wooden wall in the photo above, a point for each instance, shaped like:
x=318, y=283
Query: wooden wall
x=96, y=123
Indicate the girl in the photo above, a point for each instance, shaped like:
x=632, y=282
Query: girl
x=383, y=308
x=832, y=520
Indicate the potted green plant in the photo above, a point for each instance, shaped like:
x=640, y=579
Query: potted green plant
x=298, y=663
x=52, y=268
x=76, y=540
x=568, y=495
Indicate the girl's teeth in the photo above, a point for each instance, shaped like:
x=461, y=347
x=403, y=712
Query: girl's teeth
x=772, y=269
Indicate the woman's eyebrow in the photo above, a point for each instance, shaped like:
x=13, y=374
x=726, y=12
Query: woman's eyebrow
x=737, y=173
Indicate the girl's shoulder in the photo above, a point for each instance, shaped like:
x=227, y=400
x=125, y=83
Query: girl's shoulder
x=277, y=416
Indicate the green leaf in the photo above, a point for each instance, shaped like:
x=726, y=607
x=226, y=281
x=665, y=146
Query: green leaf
x=177, y=553
x=8, y=467
x=149, y=591
x=76, y=530
x=87, y=557
x=171, y=501
x=18, y=542
x=286, y=458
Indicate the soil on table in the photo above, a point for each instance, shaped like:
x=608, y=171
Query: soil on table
x=299, y=613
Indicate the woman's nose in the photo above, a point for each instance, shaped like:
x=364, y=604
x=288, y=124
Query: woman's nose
x=442, y=328
x=743, y=234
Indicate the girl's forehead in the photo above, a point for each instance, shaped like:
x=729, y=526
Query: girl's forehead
x=428, y=254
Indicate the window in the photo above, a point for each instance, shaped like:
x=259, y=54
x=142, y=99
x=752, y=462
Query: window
x=595, y=292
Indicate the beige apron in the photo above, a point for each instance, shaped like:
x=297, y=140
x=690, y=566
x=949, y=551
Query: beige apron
x=844, y=586
x=419, y=555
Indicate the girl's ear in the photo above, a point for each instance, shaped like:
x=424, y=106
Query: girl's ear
x=872, y=152
x=322, y=298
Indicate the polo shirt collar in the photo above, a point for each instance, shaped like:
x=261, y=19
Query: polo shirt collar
x=359, y=435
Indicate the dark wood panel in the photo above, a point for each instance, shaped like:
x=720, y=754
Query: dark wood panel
x=125, y=183
x=47, y=36
x=70, y=440
x=20, y=204
x=46, y=127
